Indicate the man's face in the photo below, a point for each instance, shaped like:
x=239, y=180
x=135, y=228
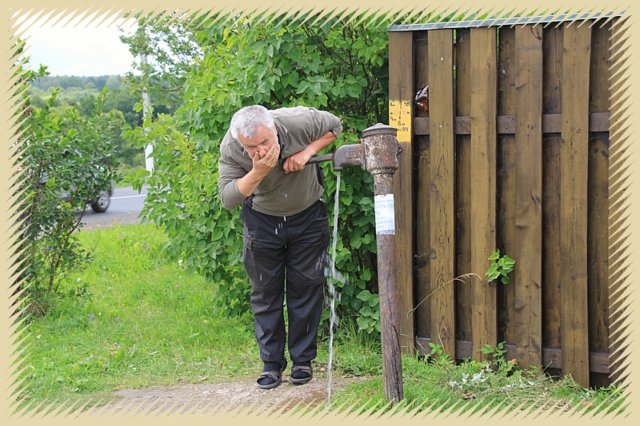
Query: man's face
x=260, y=143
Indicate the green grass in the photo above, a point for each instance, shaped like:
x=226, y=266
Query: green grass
x=474, y=387
x=138, y=319
x=143, y=321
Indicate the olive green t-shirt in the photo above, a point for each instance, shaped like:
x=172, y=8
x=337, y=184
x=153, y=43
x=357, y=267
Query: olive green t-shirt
x=278, y=194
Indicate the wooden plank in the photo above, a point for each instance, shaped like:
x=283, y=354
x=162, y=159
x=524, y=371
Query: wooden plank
x=463, y=288
x=551, y=263
x=551, y=357
x=551, y=123
x=528, y=292
x=400, y=114
x=574, y=156
x=506, y=182
x=598, y=122
x=423, y=243
x=598, y=199
x=483, y=184
x=442, y=187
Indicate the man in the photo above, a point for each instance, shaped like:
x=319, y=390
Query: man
x=286, y=228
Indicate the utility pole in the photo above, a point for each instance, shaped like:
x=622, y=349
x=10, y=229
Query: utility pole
x=146, y=113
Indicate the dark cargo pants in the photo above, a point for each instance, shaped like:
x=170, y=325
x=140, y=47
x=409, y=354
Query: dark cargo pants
x=291, y=249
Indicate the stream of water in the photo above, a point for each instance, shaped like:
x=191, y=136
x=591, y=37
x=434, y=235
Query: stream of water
x=333, y=276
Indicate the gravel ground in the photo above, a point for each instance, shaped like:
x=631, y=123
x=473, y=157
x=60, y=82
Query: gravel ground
x=243, y=395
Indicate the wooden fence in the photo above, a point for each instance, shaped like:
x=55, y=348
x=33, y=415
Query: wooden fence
x=511, y=153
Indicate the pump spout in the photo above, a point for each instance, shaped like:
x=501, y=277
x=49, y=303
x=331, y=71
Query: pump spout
x=346, y=155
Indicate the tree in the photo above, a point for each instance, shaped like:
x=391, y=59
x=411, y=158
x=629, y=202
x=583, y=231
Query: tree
x=123, y=100
x=164, y=48
x=85, y=97
x=276, y=61
x=113, y=82
x=66, y=160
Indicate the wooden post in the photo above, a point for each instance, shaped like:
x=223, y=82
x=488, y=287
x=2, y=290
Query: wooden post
x=528, y=291
x=483, y=185
x=552, y=261
x=400, y=114
x=574, y=157
x=598, y=210
x=442, y=189
x=422, y=201
x=465, y=162
x=506, y=232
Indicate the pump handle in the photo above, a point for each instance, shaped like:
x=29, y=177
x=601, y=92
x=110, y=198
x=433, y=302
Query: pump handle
x=320, y=158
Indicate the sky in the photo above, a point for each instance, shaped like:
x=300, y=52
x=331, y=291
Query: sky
x=79, y=46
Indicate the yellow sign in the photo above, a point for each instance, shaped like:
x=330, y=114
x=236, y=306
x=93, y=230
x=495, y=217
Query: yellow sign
x=400, y=118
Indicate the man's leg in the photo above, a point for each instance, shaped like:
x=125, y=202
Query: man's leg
x=264, y=262
x=304, y=308
x=306, y=262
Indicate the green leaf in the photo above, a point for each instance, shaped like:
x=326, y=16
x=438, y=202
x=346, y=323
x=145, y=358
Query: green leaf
x=495, y=255
x=487, y=349
x=356, y=242
x=363, y=295
x=493, y=271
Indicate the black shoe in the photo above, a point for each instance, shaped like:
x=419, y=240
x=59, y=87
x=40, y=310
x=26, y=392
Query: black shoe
x=301, y=374
x=270, y=377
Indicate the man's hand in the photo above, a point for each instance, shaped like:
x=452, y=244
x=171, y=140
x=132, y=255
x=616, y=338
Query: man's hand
x=297, y=161
x=263, y=165
x=261, y=168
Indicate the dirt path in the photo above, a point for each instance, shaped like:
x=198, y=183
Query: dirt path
x=241, y=395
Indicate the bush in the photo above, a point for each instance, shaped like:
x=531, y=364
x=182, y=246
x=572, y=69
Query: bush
x=66, y=160
x=338, y=66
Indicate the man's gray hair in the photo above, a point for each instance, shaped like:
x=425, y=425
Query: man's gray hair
x=246, y=121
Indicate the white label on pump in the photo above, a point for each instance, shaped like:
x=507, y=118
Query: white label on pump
x=385, y=215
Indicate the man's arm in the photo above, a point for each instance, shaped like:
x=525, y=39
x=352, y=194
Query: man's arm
x=321, y=128
x=228, y=174
x=297, y=161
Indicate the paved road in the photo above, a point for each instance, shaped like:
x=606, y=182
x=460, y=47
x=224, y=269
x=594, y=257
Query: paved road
x=126, y=203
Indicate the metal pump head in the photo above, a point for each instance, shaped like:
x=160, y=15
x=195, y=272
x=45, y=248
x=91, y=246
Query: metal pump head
x=378, y=152
x=381, y=149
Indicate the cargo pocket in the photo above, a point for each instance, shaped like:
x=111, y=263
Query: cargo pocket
x=263, y=263
x=308, y=257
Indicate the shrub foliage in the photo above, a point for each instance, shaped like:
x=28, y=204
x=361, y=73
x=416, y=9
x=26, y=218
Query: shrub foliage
x=276, y=61
x=65, y=160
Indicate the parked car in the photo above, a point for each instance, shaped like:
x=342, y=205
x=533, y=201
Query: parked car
x=101, y=204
